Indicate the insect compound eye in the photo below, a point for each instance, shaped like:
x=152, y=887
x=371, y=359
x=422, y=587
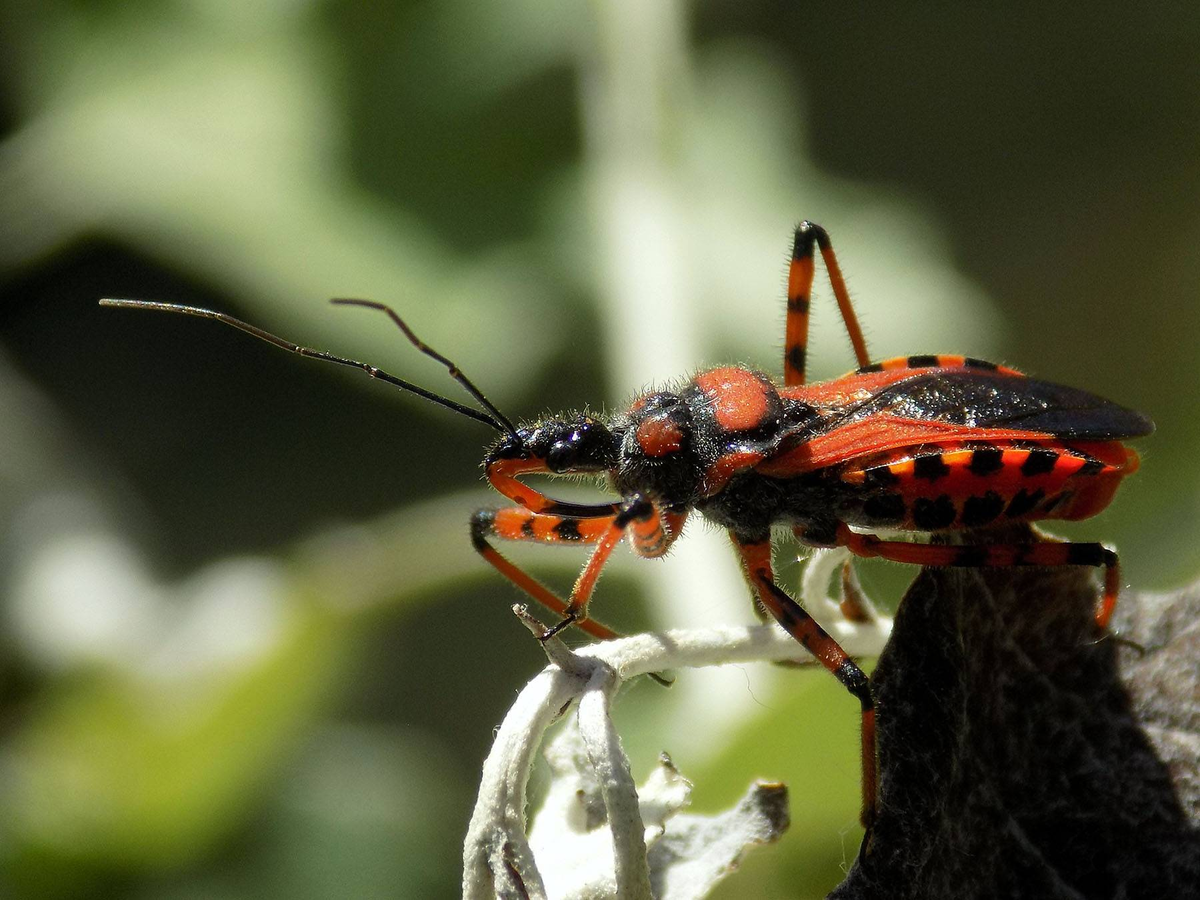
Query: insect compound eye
x=560, y=457
x=586, y=446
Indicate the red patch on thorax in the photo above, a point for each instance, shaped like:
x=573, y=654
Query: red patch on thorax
x=740, y=400
x=658, y=436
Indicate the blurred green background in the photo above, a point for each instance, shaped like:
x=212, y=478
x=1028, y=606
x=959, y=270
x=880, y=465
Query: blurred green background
x=246, y=649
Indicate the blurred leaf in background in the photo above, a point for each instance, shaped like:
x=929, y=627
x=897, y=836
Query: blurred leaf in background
x=247, y=649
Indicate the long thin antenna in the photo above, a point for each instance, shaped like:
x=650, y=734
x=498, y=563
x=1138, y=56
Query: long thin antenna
x=454, y=370
x=500, y=423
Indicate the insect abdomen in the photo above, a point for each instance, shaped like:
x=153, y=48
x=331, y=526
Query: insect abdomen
x=977, y=485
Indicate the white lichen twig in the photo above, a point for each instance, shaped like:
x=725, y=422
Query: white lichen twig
x=497, y=857
x=826, y=605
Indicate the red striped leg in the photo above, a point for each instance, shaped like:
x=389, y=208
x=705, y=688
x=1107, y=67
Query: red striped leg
x=643, y=520
x=503, y=475
x=652, y=537
x=799, y=293
x=516, y=523
x=755, y=553
x=1043, y=553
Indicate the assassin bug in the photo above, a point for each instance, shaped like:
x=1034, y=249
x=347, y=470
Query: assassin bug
x=919, y=443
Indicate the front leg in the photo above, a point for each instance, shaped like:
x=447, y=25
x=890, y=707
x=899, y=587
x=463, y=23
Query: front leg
x=516, y=523
x=650, y=537
x=637, y=514
x=755, y=553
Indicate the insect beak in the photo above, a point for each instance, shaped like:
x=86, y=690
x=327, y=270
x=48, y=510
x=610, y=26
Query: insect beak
x=503, y=474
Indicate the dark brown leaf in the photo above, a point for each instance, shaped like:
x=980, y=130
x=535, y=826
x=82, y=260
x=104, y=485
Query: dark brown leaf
x=1021, y=757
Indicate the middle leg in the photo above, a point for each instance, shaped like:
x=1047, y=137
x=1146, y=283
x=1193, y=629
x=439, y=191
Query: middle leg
x=755, y=553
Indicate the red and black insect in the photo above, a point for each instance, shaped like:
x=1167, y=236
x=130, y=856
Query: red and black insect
x=917, y=443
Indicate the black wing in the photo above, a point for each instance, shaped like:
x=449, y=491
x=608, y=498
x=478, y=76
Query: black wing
x=983, y=399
